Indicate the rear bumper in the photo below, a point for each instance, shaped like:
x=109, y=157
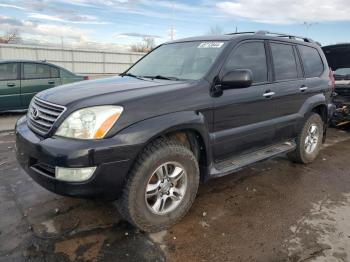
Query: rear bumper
x=113, y=162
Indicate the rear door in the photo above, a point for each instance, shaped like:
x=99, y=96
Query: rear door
x=288, y=86
x=296, y=78
x=243, y=118
x=37, y=77
x=10, y=86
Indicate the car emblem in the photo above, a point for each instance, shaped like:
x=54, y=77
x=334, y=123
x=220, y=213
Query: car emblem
x=35, y=113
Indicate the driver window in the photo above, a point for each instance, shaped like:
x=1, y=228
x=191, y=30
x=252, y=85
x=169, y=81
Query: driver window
x=250, y=55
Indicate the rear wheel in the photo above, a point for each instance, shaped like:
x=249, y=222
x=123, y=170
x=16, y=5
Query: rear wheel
x=161, y=187
x=309, y=140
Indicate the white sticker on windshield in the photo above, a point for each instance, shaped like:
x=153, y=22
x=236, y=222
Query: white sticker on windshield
x=211, y=45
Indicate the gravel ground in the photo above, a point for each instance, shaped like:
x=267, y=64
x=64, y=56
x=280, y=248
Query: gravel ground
x=8, y=120
x=272, y=211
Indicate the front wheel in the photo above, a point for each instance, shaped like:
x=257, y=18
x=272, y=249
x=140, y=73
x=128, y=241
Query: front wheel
x=309, y=140
x=161, y=187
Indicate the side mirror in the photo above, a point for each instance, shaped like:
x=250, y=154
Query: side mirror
x=240, y=78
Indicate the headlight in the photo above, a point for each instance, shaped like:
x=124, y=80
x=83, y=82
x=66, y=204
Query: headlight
x=90, y=123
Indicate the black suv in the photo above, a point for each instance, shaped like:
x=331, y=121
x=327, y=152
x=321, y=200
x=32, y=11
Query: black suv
x=190, y=110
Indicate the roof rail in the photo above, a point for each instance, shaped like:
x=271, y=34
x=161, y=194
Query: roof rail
x=262, y=32
x=242, y=33
x=305, y=39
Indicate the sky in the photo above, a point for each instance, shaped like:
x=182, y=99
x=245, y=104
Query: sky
x=123, y=22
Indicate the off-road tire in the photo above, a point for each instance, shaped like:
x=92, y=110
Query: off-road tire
x=299, y=155
x=132, y=205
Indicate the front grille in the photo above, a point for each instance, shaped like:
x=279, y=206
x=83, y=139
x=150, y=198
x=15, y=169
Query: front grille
x=42, y=115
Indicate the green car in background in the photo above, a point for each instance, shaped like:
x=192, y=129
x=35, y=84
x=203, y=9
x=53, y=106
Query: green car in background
x=20, y=80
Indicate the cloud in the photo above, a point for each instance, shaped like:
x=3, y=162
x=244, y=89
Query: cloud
x=9, y=21
x=59, y=31
x=12, y=6
x=42, y=30
x=125, y=35
x=172, y=5
x=149, y=8
x=287, y=12
x=68, y=18
x=97, y=3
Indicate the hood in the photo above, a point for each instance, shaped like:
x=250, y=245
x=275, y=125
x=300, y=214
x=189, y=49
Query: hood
x=107, y=89
x=338, y=56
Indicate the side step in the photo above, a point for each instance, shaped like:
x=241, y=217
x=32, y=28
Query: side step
x=236, y=163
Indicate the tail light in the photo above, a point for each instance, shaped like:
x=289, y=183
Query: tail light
x=332, y=79
x=86, y=78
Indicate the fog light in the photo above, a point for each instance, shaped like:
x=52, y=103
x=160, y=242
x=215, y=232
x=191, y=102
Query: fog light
x=74, y=174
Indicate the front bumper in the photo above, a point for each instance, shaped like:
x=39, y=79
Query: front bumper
x=39, y=156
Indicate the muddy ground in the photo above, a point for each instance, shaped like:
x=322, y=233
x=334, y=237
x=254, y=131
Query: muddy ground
x=273, y=211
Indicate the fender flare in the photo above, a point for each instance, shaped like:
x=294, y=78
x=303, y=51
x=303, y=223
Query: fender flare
x=311, y=103
x=141, y=133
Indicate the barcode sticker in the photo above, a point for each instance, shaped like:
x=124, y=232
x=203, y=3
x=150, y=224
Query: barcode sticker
x=211, y=45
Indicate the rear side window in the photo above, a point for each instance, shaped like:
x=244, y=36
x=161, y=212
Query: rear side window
x=55, y=73
x=251, y=56
x=312, y=61
x=284, y=62
x=66, y=74
x=9, y=71
x=36, y=71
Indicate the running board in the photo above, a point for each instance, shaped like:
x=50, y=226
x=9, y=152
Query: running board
x=236, y=163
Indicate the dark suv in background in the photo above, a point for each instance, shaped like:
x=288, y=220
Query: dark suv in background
x=191, y=110
x=338, y=57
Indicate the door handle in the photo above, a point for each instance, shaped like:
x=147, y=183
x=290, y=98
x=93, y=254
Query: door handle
x=11, y=84
x=268, y=94
x=51, y=82
x=303, y=88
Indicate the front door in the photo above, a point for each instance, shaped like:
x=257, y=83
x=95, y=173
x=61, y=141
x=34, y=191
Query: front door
x=10, y=86
x=37, y=77
x=243, y=118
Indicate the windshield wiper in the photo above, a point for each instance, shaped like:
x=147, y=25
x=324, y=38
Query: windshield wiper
x=163, y=77
x=131, y=75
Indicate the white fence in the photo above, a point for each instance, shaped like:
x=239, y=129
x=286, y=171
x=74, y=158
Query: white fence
x=76, y=60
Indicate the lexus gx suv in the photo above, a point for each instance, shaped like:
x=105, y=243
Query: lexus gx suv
x=190, y=110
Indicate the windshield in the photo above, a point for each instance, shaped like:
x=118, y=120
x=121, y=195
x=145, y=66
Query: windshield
x=179, y=61
x=342, y=74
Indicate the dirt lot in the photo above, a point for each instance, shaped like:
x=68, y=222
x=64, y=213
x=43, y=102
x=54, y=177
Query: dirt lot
x=273, y=211
x=8, y=120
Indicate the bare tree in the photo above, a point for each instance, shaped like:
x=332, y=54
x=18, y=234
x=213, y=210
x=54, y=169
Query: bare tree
x=11, y=37
x=150, y=42
x=144, y=47
x=215, y=30
x=138, y=47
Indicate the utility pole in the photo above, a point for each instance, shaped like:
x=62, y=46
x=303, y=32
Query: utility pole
x=61, y=42
x=308, y=26
x=172, y=28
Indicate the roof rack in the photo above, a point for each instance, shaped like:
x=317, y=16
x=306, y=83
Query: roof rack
x=262, y=32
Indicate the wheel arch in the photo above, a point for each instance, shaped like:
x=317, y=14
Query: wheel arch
x=189, y=128
x=322, y=110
